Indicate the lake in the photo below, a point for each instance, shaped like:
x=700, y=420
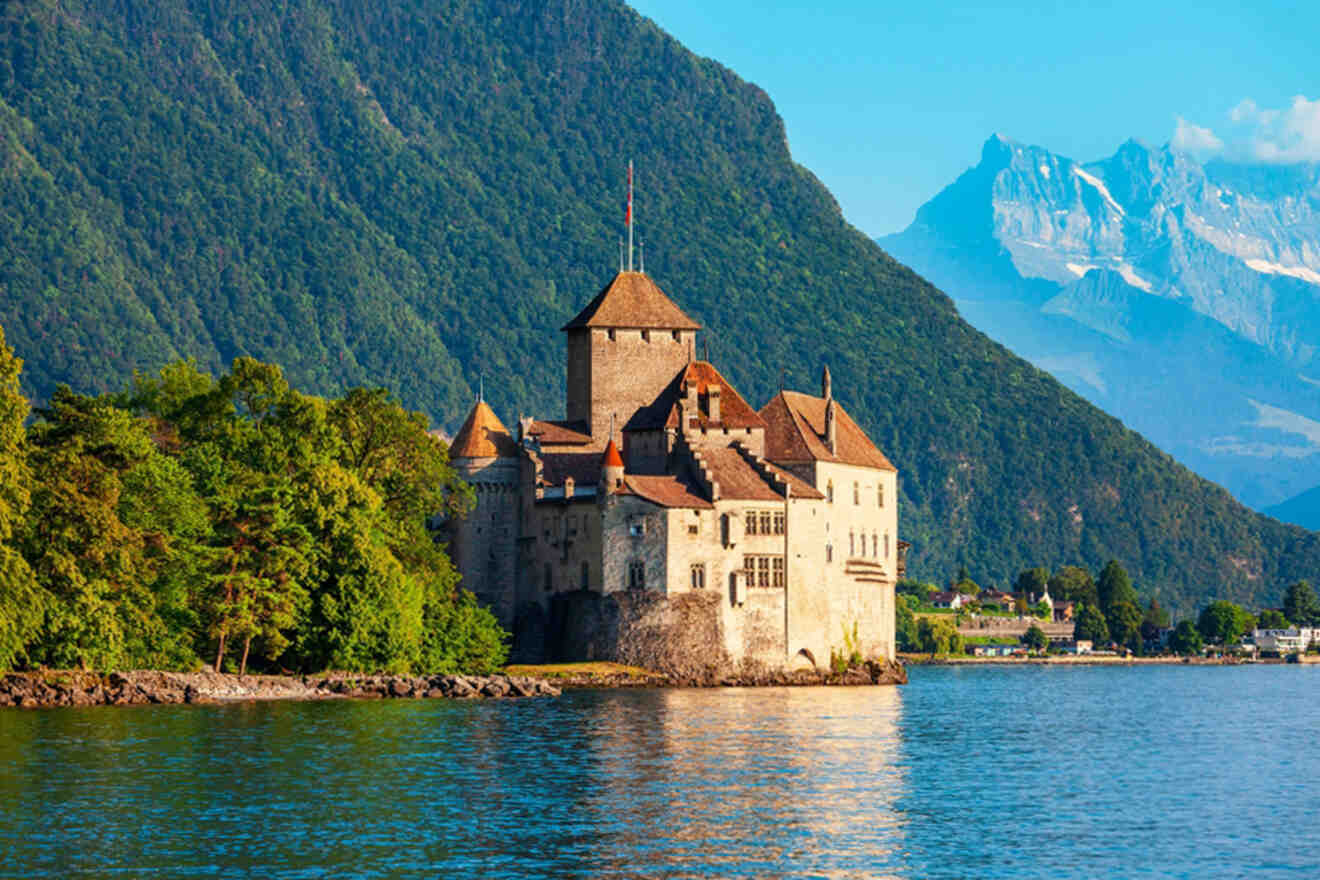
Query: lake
x=966, y=772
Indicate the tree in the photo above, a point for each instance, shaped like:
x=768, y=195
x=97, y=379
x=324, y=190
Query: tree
x=21, y=601
x=1300, y=605
x=936, y=636
x=1154, y=620
x=918, y=590
x=905, y=624
x=1272, y=618
x=1089, y=625
x=1124, y=621
x=1185, y=639
x=1072, y=583
x=1035, y=639
x=1222, y=622
x=1032, y=582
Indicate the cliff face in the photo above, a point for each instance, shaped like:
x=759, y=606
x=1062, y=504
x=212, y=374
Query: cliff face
x=1184, y=299
x=417, y=194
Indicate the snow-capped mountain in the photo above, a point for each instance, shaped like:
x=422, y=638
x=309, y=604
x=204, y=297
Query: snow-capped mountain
x=1182, y=298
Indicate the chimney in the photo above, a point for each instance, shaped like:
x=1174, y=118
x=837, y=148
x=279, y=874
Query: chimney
x=831, y=422
x=826, y=391
x=690, y=412
x=713, y=402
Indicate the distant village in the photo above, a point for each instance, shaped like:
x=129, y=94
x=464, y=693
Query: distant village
x=965, y=620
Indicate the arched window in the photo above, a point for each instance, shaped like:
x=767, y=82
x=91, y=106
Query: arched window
x=829, y=492
x=857, y=494
x=852, y=544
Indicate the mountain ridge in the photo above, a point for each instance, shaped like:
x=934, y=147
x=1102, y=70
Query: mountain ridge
x=420, y=195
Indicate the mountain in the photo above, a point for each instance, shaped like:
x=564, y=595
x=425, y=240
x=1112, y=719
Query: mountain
x=1184, y=299
x=419, y=194
x=1303, y=509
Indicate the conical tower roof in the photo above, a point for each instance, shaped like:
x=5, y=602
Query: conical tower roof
x=483, y=435
x=611, y=456
x=632, y=300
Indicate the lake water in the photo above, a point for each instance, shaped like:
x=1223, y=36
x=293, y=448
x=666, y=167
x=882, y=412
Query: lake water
x=980, y=772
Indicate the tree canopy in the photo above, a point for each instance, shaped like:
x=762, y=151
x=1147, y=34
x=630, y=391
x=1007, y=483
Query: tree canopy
x=234, y=519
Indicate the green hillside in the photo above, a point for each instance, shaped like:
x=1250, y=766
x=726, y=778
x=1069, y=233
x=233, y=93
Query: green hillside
x=411, y=194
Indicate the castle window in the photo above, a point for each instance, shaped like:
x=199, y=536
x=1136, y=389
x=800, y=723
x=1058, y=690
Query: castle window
x=586, y=575
x=852, y=544
x=694, y=529
x=549, y=578
x=751, y=522
x=886, y=545
x=829, y=492
x=637, y=528
x=857, y=494
x=749, y=570
x=765, y=523
x=677, y=337
x=636, y=575
x=880, y=494
x=610, y=333
x=875, y=545
x=829, y=552
x=699, y=577
x=763, y=571
x=777, y=571
x=779, y=522
x=572, y=525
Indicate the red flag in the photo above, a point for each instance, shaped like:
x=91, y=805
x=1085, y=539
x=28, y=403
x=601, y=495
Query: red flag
x=627, y=217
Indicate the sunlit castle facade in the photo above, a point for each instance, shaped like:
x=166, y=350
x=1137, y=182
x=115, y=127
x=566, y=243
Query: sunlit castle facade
x=666, y=522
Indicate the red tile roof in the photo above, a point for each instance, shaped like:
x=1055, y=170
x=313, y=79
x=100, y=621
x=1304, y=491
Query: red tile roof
x=611, y=458
x=560, y=433
x=796, y=433
x=666, y=491
x=583, y=467
x=632, y=300
x=483, y=436
x=799, y=487
x=738, y=480
x=735, y=412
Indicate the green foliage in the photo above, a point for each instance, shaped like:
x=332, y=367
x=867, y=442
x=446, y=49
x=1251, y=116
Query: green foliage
x=1035, y=639
x=1300, y=604
x=1089, y=624
x=1072, y=583
x=1153, y=620
x=918, y=590
x=21, y=602
x=1223, y=623
x=938, y=636
x=372, y=196
x=850, y=656
x=1033, y=582
x=1186, y=639
x=905, y=623
x=188, y=515
x=1272, y=618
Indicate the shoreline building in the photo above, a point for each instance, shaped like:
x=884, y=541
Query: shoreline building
x=665, y=521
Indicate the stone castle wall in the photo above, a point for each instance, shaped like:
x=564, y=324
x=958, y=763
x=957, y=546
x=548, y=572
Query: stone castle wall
x=617, y=372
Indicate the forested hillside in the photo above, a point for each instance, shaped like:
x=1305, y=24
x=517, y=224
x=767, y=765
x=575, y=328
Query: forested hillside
x=413, y=193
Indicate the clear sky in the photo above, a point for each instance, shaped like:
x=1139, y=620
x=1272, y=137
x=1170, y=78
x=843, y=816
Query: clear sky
x=888, y=103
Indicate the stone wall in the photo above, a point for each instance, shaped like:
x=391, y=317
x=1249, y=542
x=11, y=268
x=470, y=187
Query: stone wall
x=620, y=371
x=484, y=544
x=680, y=636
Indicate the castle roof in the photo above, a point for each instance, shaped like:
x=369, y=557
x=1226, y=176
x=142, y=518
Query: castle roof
x=735, y=412
x=632, y=300
x=611, y=456
x=666, y=491
x=796, y=433
x=483, y=435
x=550, y=433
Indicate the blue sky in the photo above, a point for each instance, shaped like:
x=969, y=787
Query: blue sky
x=887, y=103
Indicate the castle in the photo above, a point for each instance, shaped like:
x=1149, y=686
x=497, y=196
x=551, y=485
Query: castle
x=666, y=522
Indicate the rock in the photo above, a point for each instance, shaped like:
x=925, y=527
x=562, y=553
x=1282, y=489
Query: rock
x=434, y=693
x=495, y=687
x=400, y=688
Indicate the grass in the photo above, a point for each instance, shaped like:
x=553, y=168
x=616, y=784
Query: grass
x=552, y=671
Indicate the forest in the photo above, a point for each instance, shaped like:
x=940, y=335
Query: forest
x=414, y=194
x=230, y=521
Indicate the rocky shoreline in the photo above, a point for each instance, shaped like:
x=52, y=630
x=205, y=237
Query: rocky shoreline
x=75, y=688
x=886, y=672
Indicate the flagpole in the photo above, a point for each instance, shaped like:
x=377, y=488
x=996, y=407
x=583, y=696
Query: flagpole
x=630, y=217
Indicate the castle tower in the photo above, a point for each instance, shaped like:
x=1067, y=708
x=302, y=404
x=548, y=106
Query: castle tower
x=624, y=348
x=485, y=542
x=611, y=469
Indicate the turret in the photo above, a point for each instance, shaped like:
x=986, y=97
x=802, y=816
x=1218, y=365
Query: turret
x=611, y=469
